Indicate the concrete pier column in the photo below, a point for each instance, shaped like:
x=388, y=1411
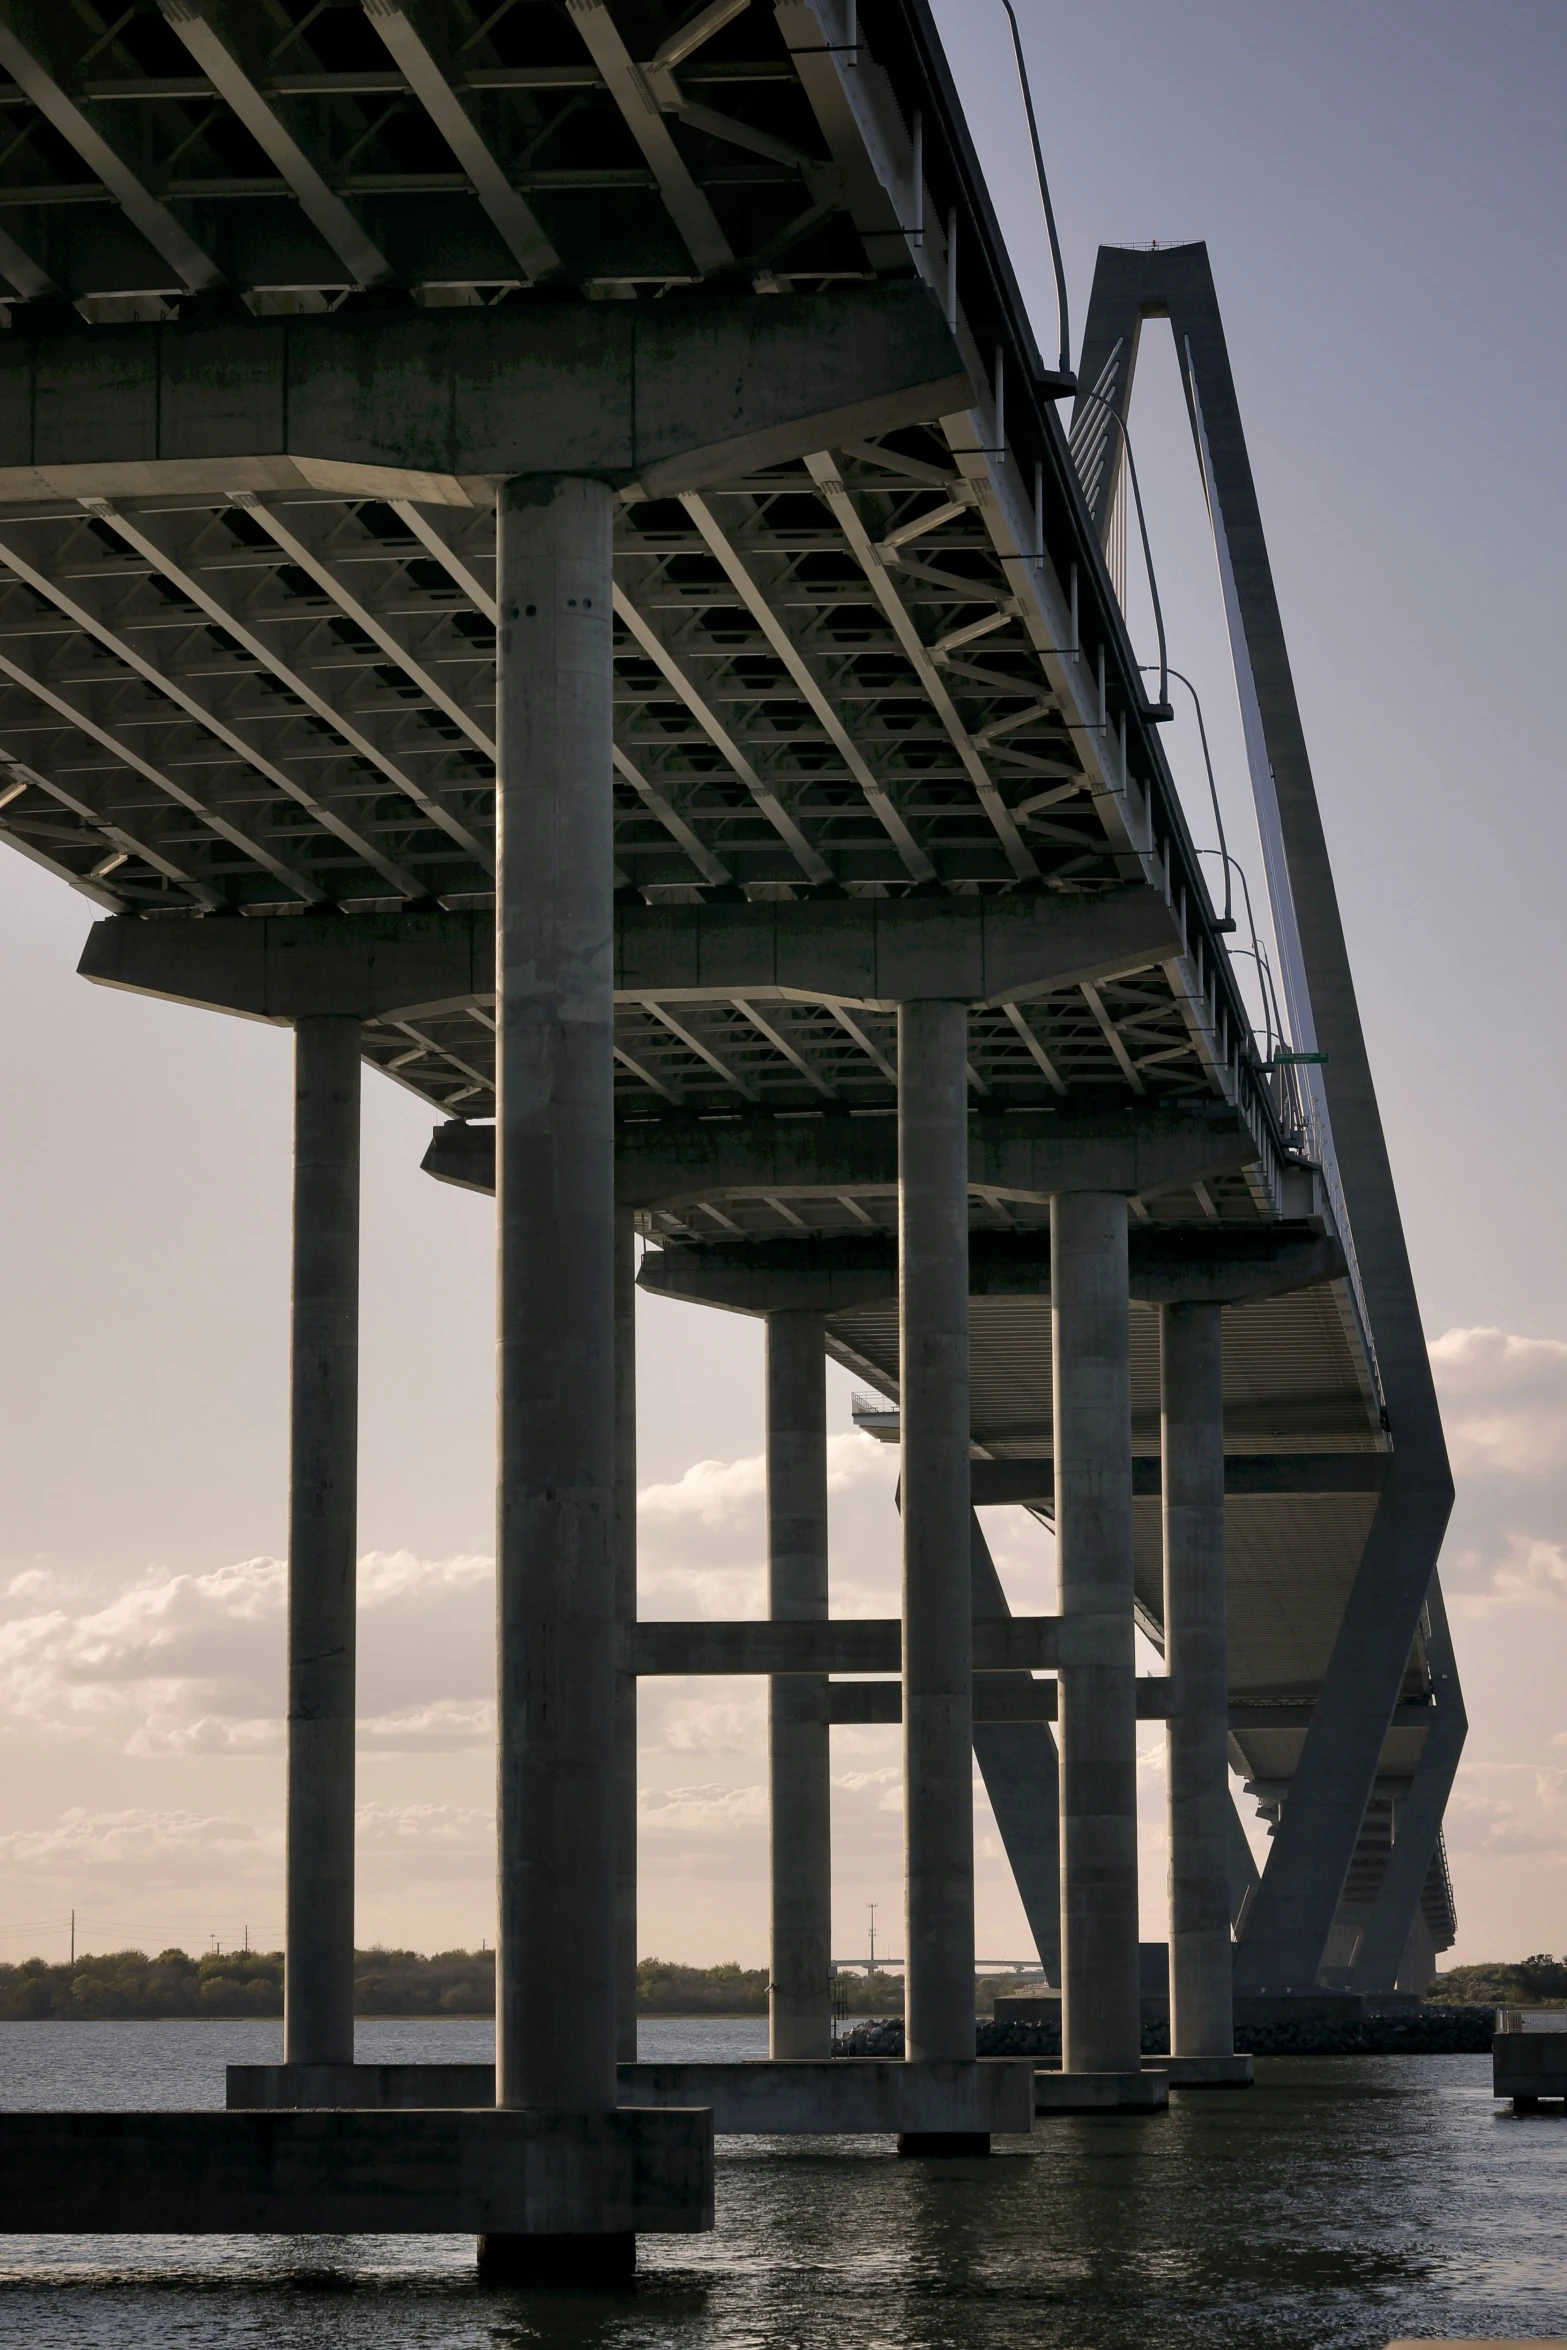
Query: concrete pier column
x=626, y=1616
x=318, y=1964
x=938, y=1642
x=556, y=1547
x=1097, y=1729
x=1191, y=1357
x=798, y=1738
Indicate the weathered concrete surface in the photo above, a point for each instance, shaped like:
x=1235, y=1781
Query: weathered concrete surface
x=1098, y=1727
x=625, y=1615
x=356, y=2173
x=938, y=1607
x=834, y=1275
x=318, y=1965
x=372, y=2088
x=439, y=405
x=278, y=968
x=1253, y=1475
x=1028, y=1155
x=831, y=2096
x=1128, y=2092
x=851, y=2095
x=1000, y=1699
x=799, y=1760
x=1197, y=1659
x=1208, y=2072
x=873, y=952
x=880, y=952
x=868, y=1644
x=557, y=1455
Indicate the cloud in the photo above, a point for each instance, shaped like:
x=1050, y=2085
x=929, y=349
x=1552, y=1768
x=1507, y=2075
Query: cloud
x=1504, y=1402
x=702, y=1538
x=711, y=1810
x=194, y=1664
x=1506, y=1811
x=1529, y=1569
x=166, y=1651
x=1504, y=1407
x=154, y=1845
x=390, y=1577
x=164, y=1733
x=674, y=1722
x=443, y=1726
x=424, y=1830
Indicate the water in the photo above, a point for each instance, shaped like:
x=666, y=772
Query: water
x=1343, y=2201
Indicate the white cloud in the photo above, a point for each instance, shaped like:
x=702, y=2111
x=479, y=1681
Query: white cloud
x=1504, y=1811
x=164, y=1733
x=677, y=1723
x=193, y=1664
x=702, y=1539
x=424, y=1829
x=387, y=1577
x=1504, y=1407
x=154, y=1845
x=1504, y=1402
x=1528, y=1570
x=441, y=1727
x=710, y=1494
x=710, y=1810
x=883, y=1786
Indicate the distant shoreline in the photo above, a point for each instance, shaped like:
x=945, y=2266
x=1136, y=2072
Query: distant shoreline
x=695, y=2015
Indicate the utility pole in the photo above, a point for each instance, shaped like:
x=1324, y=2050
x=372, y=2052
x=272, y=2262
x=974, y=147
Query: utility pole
x=73, y=1940
x=871, y=1968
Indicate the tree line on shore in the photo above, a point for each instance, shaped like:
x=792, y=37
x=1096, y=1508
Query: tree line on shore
x=131, y=1985
x=1540, y=1981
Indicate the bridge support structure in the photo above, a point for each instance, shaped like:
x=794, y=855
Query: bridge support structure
x=1202, y=2000
x=938, y=1724
x=1288, y=1922
x=1091, y=1346
x=798, y=1738
x=625, y=1618
x=557, y=1481
x=318, y=1966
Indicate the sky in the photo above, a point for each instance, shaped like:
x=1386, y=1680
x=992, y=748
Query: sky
x=1381, y=188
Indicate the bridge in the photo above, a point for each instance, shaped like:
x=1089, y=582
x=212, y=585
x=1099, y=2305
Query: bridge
x=539, y=550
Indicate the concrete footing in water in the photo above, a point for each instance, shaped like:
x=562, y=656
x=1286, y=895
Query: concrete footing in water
x=1207, y=2072
x=504, y=2173
x=801, y=2097
x=1139, y=2092
x=1527, y=2066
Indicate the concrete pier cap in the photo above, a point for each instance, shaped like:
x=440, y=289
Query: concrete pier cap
x=788, y=2097
x=530, y=2185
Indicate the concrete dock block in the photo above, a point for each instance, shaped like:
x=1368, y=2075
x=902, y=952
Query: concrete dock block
x=365, y=2088
x=507, y=2172
x=792, y=2097
x=846, y=2096
x=1208, y=2072
x=1140, y=2092
x=1527, y=2066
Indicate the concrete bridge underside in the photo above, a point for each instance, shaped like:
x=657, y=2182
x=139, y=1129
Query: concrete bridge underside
x=543, y=558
